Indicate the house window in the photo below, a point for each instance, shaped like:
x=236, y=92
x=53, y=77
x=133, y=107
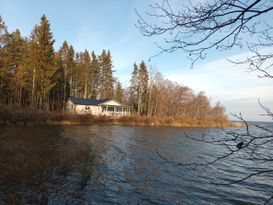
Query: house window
x=111, y=109
x=87, y=108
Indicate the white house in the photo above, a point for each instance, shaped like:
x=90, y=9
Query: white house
x=97, y=107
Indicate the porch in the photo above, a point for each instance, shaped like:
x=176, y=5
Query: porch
x=112, y=110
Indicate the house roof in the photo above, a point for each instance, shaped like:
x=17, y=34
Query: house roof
x=81, y=101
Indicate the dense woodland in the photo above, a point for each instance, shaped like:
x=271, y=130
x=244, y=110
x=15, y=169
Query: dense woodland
x=34, y=75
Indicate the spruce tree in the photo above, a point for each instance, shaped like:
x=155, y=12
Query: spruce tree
x=119, y=92
x=42, y=63
x=143, y=79
x=133, y=89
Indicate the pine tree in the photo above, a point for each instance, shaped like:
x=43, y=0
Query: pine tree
x=143, y=79
x=82, y=80
x=4, y=73
x=94, y=75
x=71, y=64
x=66, y=66
x=86, y=70
x=57, y=94
x=106, y=78
x=16, y=50
x=4, y=35
x=77, y=76
x=42, y=63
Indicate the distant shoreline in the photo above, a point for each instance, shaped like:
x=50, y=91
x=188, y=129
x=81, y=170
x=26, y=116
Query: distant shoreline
x=23, y=118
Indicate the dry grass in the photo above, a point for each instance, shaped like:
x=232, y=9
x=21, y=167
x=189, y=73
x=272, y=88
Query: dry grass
x=169, y=121
x=29, y=117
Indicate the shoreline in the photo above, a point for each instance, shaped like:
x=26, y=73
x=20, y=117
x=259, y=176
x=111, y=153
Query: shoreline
x=23, y=118
x=68, y=123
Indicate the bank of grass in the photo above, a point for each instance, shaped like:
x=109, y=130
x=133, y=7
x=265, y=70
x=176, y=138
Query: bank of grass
x=170, y=121
x=30, y=117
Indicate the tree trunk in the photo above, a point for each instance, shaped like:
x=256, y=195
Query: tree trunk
x=33, y=88
x=85, y=90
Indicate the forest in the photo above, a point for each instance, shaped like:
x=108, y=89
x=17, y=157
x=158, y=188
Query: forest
x=35, y=76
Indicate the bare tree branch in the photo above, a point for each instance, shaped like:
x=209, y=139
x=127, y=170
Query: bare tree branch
x=212, y=25
x=249, y=143
x=221, y=25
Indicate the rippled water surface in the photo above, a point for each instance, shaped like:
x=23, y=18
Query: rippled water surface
x=119, y=165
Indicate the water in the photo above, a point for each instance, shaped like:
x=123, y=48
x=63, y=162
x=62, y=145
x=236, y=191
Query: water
x=120, y=165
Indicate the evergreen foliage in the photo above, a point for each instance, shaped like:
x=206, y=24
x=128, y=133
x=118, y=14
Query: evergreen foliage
x=119, y=92
x=133, y=89
x=94, y=75
x=106, y=77
x=42, y=63
x=143, y=78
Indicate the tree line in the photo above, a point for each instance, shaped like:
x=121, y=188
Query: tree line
x=33, y=74
x=153, y=95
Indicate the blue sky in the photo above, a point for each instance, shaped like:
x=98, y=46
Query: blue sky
x=109, y=24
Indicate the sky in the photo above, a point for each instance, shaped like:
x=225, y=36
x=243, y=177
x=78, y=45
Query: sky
x=109, y=24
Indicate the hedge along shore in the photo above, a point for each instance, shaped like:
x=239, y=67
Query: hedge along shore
x=8, y=117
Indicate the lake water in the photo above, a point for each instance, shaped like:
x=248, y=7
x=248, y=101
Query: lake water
x=120, y=165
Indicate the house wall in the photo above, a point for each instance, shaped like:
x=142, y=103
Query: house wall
x=88, y=109
x=97, y=109
x=70, y=106
x=83, y=109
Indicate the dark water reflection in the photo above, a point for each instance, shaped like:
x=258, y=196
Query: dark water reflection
x=118, y=165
